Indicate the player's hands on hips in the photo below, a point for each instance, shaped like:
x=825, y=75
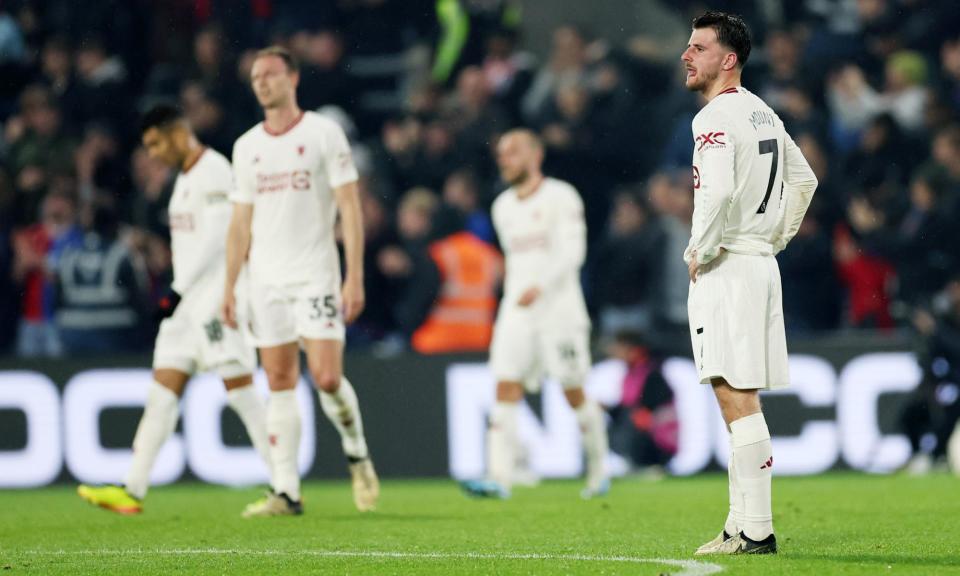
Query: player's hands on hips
x=354, y=299
x=230, y=309
x=529, y=297
x=693, y=267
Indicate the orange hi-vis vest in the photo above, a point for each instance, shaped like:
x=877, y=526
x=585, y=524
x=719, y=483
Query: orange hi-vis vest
x=462, y=317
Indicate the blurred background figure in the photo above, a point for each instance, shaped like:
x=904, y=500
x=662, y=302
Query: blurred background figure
x=644, y=427
x=102, y=287
x=930, y=416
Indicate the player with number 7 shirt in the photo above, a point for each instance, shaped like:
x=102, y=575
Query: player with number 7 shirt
x=752, y=187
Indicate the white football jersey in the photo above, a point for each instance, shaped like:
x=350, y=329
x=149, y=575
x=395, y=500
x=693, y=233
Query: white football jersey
x=289, y=178
x=199, y=213
x=752, y=185
x=544, y=241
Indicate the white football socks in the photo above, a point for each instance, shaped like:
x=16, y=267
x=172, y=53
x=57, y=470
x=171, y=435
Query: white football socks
x=343, y=410
x=593, y=428
x=249, y=407
x=159, y=420
x=283, y=433
x=502, y=439
x=735, y=514
x=753, y=460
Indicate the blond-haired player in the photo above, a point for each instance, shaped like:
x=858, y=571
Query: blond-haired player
x=542, y=325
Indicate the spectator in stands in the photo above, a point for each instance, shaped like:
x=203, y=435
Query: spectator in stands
x=39, y=249
x=408, y=263
x=933, y=409
x=811, y=291
x=461, y=192
x=867, y=277
x=102, y=305
x=627, y=266
x=208, y=118
x=567, y=66
x=508, y=71
x=644, y=427
x=38, y=149
x=670, y=198
x=324, y=78
x=102, y=92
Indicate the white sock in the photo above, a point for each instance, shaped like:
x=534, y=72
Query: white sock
x=343, y=410
x=502, y=439
x=735, y=514
x=158, y=422
x=283, y=432
x=593, y=428
x=249, y=407
x=753, y=461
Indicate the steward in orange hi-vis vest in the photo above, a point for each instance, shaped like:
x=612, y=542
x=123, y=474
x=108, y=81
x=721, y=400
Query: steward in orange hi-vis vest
x=462, y=317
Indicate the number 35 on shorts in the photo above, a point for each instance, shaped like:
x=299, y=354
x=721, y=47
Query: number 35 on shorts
x=324, y=307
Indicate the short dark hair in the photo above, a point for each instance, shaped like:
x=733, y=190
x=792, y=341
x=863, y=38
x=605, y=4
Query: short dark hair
x=293, y=65
x=731, y=31
x=161, y=117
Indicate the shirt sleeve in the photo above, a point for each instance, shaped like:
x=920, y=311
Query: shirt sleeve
x=714, y=141
x=569, y=245
x=799, y=184
x=338, y=159
x=214, y=218
x=245, y=187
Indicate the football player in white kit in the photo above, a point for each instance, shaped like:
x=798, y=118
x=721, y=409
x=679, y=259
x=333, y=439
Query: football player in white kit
x=192, y=337
x=293, y=172
x=542, y=325
x=752, y=187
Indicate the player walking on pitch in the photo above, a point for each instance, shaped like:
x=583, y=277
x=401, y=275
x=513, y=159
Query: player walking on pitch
x=191, y=337
x=752, y=187
x=542, y=323
x=293, y=171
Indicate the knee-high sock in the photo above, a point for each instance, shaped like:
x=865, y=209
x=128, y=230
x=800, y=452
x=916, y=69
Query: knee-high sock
x=502, y=439
x=283, y=432
x=343, y=410
x=593, y=428
x=735, y=513
x=247, y=404
x=754, y=462
x=157, y=424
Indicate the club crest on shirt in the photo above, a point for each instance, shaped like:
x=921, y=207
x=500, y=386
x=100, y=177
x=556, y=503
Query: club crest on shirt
x=300, y=149
x=710, y=140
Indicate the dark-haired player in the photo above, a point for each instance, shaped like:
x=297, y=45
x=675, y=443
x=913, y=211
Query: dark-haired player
x=192, y=337
x=752, y=188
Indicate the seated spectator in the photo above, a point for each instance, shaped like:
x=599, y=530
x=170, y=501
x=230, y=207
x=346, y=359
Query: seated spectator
x=644, y=427
x=102, y=291
x=38, y=250
x=811, y=291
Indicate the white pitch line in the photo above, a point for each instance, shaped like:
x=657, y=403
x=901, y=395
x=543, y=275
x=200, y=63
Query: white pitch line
x=690, y=567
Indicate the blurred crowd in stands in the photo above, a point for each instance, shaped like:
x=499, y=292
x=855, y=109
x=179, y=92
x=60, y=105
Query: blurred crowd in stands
x=869, y=89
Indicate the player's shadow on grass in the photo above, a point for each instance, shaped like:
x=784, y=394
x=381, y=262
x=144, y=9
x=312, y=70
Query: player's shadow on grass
x=882, y=558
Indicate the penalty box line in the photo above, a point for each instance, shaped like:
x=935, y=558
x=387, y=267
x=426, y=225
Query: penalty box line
x=690, y=567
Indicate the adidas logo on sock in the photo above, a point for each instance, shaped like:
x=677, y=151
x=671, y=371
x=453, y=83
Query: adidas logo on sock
x=767, y=464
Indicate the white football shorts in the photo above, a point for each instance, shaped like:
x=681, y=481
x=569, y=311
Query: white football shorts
x=195, y=339
x=280, y=314
x=522, y=351
x=736, y=322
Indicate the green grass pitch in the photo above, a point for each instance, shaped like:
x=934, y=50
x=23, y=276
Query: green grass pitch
x=833, y=524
